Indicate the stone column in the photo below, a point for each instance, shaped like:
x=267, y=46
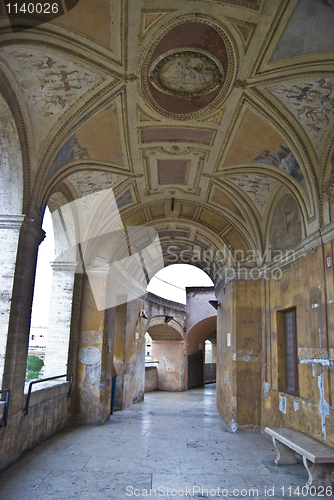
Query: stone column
x=94, y=366
x=10, y=226
x=59, y=325
x=239, y=354
x=31, y=235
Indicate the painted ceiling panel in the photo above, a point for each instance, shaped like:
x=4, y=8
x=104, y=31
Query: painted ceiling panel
x=223, y=200
x=187, y=211
x=173, y=171
x=91, y=19
x=90, y=182
x=257, y=187
x=310, y=30
x=98, y=139
x=176, y=135
x=258, y=142
x=125, y=199
x=311, y=101
x=286, y=225
x=100, y=136
x=135, y=219
x=51, y=83
x=157, y=211
x=235, y=240
x=188, y=78
x=254, y=135
x=212, y=220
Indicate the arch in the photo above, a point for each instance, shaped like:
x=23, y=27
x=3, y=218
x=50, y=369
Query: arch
x=64, y=267
x=159, y=329
x=201, y=331
x=11, y=171
x=11, y=218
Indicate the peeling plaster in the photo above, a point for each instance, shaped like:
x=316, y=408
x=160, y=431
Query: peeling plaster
x=266, y=388
x=282, y=404
x=317, y=361
x=324, y=407
x=234, y=426
x=296, y=405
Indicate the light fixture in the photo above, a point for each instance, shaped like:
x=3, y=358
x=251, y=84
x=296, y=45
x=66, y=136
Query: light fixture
x=168, y=319
x=215, y=304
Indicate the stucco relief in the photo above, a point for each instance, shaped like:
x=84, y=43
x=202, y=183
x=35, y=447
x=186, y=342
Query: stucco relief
x=187, y=73
x=188, y=69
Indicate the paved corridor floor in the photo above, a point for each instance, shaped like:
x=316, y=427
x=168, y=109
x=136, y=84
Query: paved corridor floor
x=168, y=446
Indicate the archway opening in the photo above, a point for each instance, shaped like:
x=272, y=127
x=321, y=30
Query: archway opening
x=171, y=281
x=177, y=298
x=41, y=302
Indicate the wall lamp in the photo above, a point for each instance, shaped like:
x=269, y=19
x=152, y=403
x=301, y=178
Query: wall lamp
x=168, y=319
x=215, y=304
x=142, y=314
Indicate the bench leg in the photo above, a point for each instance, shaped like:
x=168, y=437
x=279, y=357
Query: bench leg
x=318, y=474
x=284, y=454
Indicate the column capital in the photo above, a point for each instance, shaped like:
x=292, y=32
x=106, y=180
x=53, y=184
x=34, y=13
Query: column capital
x=11, y=221
x=64, y=266
x=33, y=229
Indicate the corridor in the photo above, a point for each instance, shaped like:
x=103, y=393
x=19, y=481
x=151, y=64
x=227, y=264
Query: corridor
x=169, y=445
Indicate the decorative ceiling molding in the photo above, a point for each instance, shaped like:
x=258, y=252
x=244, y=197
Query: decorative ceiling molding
x=183, y=69
x=148, y=18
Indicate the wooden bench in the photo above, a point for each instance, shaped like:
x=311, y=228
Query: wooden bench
x=318, y=458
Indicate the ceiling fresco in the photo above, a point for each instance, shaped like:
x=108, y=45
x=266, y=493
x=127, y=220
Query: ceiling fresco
x=312, y=103
x=314, y=18
x=211, y=120
x=51, y=83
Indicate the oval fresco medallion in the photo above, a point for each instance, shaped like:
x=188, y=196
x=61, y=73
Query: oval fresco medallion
x=187, y=72
x=188, y=69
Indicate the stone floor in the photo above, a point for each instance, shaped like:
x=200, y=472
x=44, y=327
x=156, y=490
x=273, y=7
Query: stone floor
x=174, y=443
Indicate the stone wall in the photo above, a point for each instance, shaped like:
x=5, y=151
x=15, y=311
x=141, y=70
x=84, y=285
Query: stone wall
x=48, y=413
x=150, y=378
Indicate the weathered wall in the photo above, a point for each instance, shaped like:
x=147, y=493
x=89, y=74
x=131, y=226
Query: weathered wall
x=306, y=284
x=48, y=413
x=158, y=306
x=239, y=338
x=171, y=364
x=198, y=307
x=129, y=354
x=151, y=378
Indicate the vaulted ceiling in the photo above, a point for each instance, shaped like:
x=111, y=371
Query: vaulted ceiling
x=211, y=120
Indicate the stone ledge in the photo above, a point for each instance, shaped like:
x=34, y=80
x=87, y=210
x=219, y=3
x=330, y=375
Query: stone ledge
x=47, y=390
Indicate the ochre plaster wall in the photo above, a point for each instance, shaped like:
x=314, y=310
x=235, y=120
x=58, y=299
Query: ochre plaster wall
x=306, y=284
x=239, y=364
x=129, y=354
